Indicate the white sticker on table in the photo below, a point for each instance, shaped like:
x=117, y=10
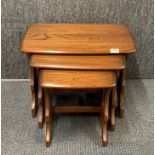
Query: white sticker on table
x=114, y=50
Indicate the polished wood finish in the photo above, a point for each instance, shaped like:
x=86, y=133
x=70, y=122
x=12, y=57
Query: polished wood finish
x=48, y=117
x=113, y=107
x=77, y=79
x=122, y=92
x=41, y=107
x=72, y=77
x=105, y=116
x=76, y=109
x=77, y=39
x=67, y=47
x=104, y=134
x=105, y=106
x=100, y=62
x=33, y=83
x=48, y=134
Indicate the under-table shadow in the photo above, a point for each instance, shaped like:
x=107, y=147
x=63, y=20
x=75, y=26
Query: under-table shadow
x=72, y=126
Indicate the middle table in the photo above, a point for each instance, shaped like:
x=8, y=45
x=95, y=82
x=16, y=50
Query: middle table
x=62, y=62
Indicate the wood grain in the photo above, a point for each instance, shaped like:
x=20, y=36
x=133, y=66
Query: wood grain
x=113, y=107
x=77, y=39
x=41, y=107
x=76, y=109
x=34, y=104
x=48, y=117
x=122, y=92
x=77, y=79
x=105, y=116
x=100, y=62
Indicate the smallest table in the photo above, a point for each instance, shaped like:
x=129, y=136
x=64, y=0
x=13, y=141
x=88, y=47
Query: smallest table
x=56, y=80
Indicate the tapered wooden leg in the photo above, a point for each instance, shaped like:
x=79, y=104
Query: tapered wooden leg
x=33, y=107
x=112, y=117
x=105, y=105
x=48, y=134
x=41, y=108
x=122, y=102
x=33, y=78
x=122, y=92
x=117, y=111
x=104, y=134
x=105, y=116
x=113, y=120
x=48, y=110
x=47, y=106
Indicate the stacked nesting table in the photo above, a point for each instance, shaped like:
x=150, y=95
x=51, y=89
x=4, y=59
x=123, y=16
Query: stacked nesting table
x=74, y=51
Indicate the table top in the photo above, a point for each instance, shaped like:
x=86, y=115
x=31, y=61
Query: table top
x=77, y=79
x=78, y=62
x=78, y=39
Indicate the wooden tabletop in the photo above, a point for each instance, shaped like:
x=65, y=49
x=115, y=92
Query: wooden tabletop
x=77, y=79
x=78, y=39
x=78, y=62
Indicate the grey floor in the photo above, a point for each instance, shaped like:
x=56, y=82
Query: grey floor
x=77, y=134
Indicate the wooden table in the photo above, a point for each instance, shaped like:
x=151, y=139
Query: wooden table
x=78, y=39
x=51, y=80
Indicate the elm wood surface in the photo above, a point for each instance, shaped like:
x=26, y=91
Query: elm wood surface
x=105, y=116
x=48, y=117
x=66, y=80
x=102, y=62
x=121, y=92
x=112, y=109
x=33, y=85
x=77, y=79
x=77, y=39
x=78, y=62
x=76, y=109
x=62, y=79
x=41, y=105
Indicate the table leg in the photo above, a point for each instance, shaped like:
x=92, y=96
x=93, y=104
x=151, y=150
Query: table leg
x=122, y=92
x=41, y=107
x=113, y=106
x=48, y=134
x=105, y=116
x=48, y=115
x=33, y=77
x=104, y=134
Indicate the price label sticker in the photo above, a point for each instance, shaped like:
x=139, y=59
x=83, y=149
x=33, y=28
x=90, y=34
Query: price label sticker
x=114, y=50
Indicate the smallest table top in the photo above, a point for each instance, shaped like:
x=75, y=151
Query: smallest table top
x=77, y=79
x=78, y=39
